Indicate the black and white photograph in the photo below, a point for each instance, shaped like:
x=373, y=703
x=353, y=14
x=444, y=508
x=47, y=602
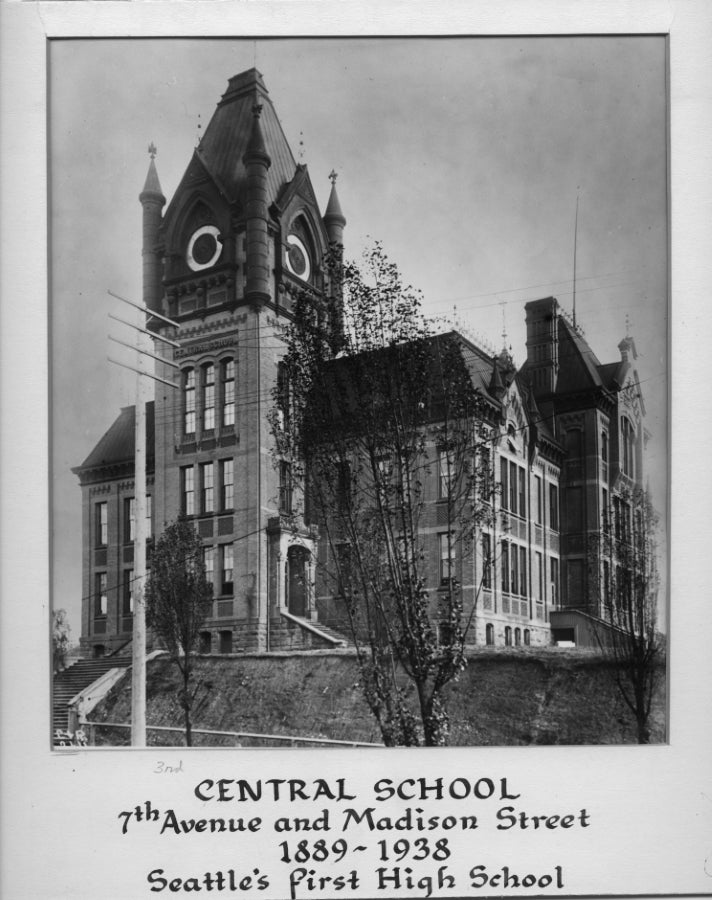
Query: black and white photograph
x=352, y=449
x=404, y=387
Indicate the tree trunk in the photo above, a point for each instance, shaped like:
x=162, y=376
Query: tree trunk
x=186, y=709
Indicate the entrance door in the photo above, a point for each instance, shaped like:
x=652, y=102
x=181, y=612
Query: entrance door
x=297, y=561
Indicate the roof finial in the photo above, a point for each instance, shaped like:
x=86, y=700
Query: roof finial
x=627, y=325
x=333, y=175
x=503, y=304
x=152, y=150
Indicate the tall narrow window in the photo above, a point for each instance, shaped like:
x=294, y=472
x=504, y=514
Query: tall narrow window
x=508, y=636
x=489, y=634
x=504, y=479
x=102, y=524
x=538, y=498
x=487, y=475
x=101, y=597
x=554, y=577
x=128, y=592
x=207, y=477
x=513, y=488
x=226, y=566
x=285, y=488
x=604, y=511
x=209, y=562
x=553, y=507
x=283, y=395
x=523, y=571
x=522, y=493
x=486, y=562
x=129, y=519
x=228, y=392
x=447, y=558
x=540, y=577
x=208, y=397
x=188, y=490
x=189, y=401
x=505, y=567
x=514, y=584
x=604, y=446
x=517, y=637
x=445, y=474
x=227, y=500
x=344, y=576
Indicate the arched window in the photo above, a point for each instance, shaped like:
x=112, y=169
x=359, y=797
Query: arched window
x=489, y=634
x=517, y=636
x=604, y=446
x=508, y=636
x=189, y=401
x=208, y=397
x=228, y=391
x=527, y=637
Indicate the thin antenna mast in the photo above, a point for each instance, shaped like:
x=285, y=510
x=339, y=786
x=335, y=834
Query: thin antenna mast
x=575, y=242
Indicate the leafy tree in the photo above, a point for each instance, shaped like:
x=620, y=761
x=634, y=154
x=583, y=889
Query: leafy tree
x=61, y=631
x=628, y=583
x=371, y=414
x=178, y=596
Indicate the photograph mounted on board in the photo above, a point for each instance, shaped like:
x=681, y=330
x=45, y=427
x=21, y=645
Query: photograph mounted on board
x=359, y=380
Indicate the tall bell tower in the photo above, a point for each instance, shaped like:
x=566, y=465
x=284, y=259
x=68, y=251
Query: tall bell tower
x=241, y=236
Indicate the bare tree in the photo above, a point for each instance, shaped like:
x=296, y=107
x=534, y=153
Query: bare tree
x=178, y=597
x=379, y=413
x=628, y=581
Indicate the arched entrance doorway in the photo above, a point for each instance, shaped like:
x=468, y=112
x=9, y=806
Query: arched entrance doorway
x=297, y=580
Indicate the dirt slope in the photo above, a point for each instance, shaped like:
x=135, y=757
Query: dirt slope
x=503, y=698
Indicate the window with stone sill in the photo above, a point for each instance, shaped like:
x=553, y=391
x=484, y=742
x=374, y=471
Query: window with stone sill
x=101, y=513
x=227, y=368
x=101, y=596
x=189, y=402
x=209, y=397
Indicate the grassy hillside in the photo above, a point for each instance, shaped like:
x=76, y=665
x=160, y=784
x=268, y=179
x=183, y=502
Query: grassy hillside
x=504, y=697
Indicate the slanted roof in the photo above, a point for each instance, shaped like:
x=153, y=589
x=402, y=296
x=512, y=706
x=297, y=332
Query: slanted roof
x=117, y=446
x=227, y=136
x=613, y=374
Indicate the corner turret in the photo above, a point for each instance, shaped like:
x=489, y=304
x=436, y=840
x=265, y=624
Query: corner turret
x=152, y=201
x=257, y=162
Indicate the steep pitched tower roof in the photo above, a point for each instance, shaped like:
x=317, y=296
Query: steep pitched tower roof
x=229, y=135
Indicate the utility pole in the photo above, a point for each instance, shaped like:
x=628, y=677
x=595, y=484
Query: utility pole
x=144, y=377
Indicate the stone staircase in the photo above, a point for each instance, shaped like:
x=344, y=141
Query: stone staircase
x=74, y=679
x=330, y=632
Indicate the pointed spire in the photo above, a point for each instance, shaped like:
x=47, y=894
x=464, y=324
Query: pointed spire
x=152, y=187
x=333, y=207
x=334, y=219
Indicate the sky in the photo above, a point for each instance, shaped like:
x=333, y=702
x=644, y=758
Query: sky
x=463, y=156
